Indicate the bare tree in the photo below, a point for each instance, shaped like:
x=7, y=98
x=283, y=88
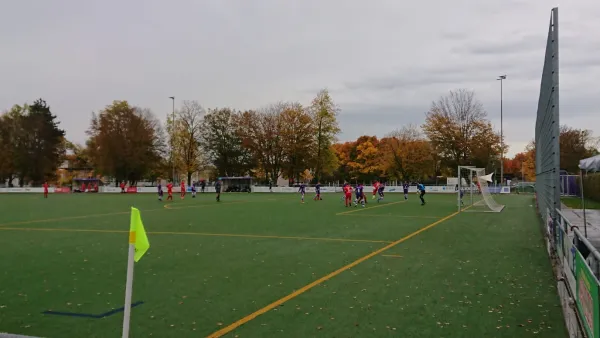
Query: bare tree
x=459, y=130
x=187, y=138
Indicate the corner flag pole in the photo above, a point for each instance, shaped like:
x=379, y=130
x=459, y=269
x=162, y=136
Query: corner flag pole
x=128, y=288
x=138, y=245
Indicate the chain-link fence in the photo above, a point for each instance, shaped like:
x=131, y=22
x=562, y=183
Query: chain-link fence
x=547, y=161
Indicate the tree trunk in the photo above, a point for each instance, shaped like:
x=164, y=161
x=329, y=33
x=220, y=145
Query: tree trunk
x=189, y=177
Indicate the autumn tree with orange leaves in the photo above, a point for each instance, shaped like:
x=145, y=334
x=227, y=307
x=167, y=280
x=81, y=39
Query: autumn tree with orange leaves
x=407, y=155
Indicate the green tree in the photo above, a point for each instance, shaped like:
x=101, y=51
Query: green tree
x=325, y=130
x=575, y=145
x=33, y=141
x=298, y=140
x=223, y=144
x=125, y=142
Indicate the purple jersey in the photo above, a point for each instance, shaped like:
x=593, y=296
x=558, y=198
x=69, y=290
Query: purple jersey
x=193, y=188
x=160, y=191
x=405, y=187
x=318, y=188
x=302, y=189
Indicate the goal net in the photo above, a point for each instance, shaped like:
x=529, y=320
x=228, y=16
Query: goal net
x=473, y=193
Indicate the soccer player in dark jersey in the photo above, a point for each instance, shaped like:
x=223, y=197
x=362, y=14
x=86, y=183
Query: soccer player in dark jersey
x=360, y=196
x=218, y=189
x=380, y=192
x=421, y=189
x=193, y=190
x=405, y=187
x=160, y=191
x=302, y=190
x=317, y=192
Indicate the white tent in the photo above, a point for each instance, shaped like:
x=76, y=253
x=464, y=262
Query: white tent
x=587, y=164
x=590, y=164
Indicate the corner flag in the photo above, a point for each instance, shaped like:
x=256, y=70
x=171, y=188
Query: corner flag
x=137, y=234
x=138, y=245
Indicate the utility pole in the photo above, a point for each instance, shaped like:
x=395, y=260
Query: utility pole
x=172, y=138
x=501, y=78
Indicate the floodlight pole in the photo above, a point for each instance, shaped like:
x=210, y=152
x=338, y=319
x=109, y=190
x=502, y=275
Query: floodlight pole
x=172, y=137
x=501, y=78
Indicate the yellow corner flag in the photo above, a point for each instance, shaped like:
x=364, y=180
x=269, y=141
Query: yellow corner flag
x=137, y=234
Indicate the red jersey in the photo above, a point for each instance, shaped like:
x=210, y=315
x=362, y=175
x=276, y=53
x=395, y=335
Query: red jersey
x=182, y=186
x=122, y=185
x=170, y=188
x=348, y=189
x=45, y=187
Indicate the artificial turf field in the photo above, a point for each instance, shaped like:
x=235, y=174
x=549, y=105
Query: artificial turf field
x=273, y=267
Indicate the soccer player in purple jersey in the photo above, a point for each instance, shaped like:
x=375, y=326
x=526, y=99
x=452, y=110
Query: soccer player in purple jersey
x=302, y=190
x=405, y=187
x=317, y=192
x=360, y=196
x=194, y=190
x=380, y=192
x=160, y=191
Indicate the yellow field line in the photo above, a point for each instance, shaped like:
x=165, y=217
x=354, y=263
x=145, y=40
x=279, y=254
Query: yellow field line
x=110, y=214
x=202, y=234
x=305, y=288
x=400, y=216
x=368, y=208
x=396, y=256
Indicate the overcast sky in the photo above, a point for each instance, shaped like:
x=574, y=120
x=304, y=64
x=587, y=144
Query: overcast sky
x=383, y=61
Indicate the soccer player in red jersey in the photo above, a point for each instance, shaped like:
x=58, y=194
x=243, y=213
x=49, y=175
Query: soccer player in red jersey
x=182, y=188
x=122, y=187
x=45, y=189
x=375, y=188
x=170, y=191
x=348, y=195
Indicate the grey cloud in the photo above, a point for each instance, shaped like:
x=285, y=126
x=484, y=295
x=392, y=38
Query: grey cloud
x=523, y=44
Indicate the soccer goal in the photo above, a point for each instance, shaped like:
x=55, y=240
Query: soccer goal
x=472, y=191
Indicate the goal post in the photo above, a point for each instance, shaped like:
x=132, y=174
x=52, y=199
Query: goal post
x=472, y=191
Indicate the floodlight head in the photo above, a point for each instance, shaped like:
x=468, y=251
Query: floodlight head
x=501, y=77
x=172, y=97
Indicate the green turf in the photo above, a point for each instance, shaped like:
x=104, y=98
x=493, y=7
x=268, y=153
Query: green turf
x=473, y=275
x=575, y=203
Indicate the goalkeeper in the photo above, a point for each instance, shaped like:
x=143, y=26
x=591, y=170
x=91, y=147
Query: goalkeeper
x=421, y=189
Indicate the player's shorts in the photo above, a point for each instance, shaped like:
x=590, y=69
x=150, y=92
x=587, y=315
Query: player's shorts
x=405, y=192
x=160, y=193
x=348, y=195
x=422, y=192
x=170, y=193
x=218, y=191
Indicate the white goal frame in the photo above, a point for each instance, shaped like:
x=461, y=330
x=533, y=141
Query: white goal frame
x=487, y=199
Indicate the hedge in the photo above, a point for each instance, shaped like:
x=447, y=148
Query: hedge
x=591, y=186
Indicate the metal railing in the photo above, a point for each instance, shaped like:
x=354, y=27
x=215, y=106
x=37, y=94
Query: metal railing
x=578, y=267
